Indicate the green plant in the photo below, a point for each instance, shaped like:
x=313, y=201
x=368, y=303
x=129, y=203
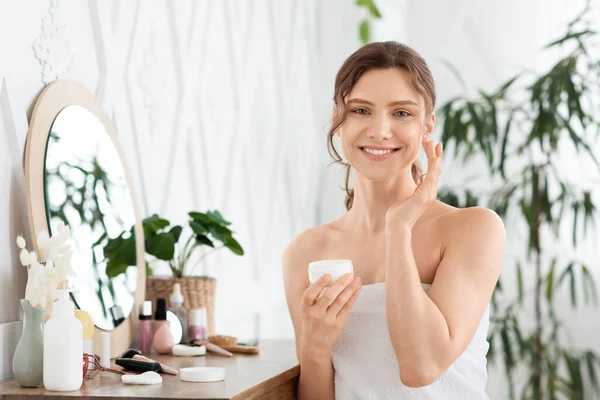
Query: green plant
x=518, y=130
x=364, y=28
x=161, y=241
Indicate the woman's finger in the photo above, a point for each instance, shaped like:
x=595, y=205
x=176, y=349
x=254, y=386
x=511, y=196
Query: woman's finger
x=332, y=293
x=311, y=294
x=428, y=186
x=343, y=297
x=430, y=152
x=349, y=304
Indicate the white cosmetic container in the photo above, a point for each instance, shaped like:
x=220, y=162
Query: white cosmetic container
x=336, y=268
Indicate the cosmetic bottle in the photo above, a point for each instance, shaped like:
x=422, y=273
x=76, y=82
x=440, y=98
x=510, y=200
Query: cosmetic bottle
x=178, y=309
x=105, y=353
x=87, y=323
x=117, y=315
x=144, y=339
x=160, y=316
x=63, y=347
x=197, y=328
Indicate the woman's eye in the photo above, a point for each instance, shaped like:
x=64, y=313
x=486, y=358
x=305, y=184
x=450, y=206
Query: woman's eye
x=401, y=113
x=360, y=111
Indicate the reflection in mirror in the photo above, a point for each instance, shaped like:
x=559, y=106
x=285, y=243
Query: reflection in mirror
x=86, y=187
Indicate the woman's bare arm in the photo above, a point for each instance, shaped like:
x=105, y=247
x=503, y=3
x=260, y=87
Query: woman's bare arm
x=316, y=371
x=430, y=330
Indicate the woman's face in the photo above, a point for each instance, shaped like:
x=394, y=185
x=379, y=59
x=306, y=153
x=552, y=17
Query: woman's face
x=385, y=124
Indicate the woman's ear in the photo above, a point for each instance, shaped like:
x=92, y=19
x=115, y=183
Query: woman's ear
x=429, y=124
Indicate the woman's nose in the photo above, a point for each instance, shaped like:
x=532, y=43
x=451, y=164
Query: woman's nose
x=380, y=129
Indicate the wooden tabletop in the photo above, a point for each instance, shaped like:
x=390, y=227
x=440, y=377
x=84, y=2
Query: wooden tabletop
x=274, y=370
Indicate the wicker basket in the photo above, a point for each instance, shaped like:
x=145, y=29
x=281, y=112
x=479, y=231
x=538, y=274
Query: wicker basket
x=198, y=291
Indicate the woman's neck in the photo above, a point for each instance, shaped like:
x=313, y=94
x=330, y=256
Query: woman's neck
x=372, y=199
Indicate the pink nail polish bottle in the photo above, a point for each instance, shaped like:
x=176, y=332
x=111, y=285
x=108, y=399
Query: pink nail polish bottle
x=197, y=327
x=145, y=327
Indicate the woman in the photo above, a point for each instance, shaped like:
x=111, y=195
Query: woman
x=411, y=323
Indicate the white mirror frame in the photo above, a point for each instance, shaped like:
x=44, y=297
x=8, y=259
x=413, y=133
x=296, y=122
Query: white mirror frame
x=53, y=98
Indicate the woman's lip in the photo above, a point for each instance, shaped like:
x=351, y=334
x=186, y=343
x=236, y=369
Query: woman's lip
x=378, y=157
x=378, y=148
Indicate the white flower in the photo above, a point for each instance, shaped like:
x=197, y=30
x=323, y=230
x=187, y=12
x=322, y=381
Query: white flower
x=43, y=239
x=24, y=257
x=52, y=253
x=44, y=277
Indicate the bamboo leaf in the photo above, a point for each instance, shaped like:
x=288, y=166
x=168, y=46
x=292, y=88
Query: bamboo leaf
x=519, y=283
x=568, y=37
x=455, y=72
x=575, y=208
x=370, y=6
x=589, y=285
x=589, y=211
x=591, y=362
x=573, y=289
x=550, y=281
x=565, y=273
x=364, y=32
x=506, y=133
x=509, y=359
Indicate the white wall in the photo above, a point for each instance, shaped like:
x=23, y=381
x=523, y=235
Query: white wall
x=218, y=103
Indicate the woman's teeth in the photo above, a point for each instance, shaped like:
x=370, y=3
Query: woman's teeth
x=378, y=152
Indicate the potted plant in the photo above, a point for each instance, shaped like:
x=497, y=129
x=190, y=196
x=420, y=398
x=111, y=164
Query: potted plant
x=521, y=130
x=165, y=242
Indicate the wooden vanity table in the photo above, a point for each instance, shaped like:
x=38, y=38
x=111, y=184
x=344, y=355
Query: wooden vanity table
x=272, y=374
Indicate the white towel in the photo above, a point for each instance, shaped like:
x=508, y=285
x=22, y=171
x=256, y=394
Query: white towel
x=366, y=367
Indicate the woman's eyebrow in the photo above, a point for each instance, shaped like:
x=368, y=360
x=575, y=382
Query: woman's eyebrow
x=393, y=103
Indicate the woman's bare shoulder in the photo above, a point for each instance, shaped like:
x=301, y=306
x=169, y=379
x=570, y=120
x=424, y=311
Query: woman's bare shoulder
x=479, y=221
x=306, y=246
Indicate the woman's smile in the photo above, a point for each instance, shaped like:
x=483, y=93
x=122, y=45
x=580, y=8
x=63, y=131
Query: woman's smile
x=375, y=153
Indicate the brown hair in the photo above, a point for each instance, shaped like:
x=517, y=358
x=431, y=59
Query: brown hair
x=378, y=55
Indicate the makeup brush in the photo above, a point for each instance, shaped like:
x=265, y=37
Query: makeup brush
x=212, y=347
x=137, y=355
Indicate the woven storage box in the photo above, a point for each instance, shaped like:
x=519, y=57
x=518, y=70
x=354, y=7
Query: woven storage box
x=198, y=291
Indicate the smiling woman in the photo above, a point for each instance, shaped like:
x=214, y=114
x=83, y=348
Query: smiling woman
x=420, y=320
x=385, y=59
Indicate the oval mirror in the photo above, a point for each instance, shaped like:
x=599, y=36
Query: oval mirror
x=76, y=173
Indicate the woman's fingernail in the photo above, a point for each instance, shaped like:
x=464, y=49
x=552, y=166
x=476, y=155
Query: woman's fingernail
x=349, y=277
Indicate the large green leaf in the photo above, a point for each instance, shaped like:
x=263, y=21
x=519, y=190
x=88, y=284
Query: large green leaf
x=128, y=252
x=153, y=224
x=220, y=232
x=115, y=268
x=216, y=217
x=234, y=246
x=162, y=246
x=176, y=232
x=199, y=228
x=202, y=239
